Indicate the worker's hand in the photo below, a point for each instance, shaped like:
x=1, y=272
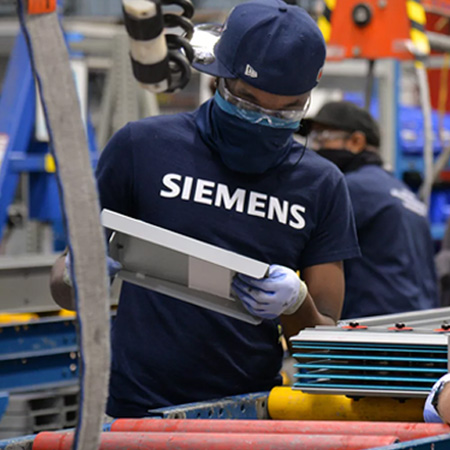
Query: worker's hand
x=112, y=267
x=281, y=292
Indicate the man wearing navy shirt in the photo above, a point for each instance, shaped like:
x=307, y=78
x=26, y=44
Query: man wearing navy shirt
x=396, y=272
x=229, y=174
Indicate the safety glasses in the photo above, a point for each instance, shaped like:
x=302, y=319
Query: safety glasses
x=248, y=109
x=321, y=136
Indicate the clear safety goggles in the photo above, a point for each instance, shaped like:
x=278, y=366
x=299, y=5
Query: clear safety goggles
x=248, y=109
x=321, y=136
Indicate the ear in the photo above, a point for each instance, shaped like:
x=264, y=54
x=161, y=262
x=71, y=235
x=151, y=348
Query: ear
x=357, y=142
x=213, y=82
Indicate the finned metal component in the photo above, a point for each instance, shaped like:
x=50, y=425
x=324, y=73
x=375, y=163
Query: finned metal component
x=393, y=356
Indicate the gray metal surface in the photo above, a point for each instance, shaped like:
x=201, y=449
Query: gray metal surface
x=372, y=336
x=124, y=100
x=151, y=234
x=439, y=42
x=227, y=306
x=25, y=284
x=97, y=7
x=30, y=412
x=350, y=75
x=430, y=319
x=179, y=266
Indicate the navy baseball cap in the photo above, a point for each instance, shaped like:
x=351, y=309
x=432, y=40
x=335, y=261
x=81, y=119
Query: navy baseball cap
x=270, y=45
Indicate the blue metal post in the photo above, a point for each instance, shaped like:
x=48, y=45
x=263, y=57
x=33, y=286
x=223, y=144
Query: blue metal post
x=17, y=112
x=20, y=152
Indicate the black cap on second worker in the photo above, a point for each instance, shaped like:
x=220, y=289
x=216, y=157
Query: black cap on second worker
x=342, y=115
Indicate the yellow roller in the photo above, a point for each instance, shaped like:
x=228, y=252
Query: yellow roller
x=67, y=313
x=284, y=403
x=17, y=318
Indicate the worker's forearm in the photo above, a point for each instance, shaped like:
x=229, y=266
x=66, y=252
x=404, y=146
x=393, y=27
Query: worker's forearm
x=443, y=405
x=61, y=292
x=306, y=316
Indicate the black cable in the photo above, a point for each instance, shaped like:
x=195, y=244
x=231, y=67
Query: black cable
x=302, y=154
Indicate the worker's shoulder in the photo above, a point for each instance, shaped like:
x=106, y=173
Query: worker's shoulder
x=375, y=186
x=371, y=178
x=162, y=126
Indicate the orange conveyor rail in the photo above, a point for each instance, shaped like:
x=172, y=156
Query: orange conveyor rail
x=405, y=431
x=134, y=434
x=216, y=441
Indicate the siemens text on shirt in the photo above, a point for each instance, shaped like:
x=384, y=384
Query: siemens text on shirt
x=242, y=201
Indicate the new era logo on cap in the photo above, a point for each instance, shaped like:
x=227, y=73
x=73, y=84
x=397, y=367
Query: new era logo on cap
x=250, y=71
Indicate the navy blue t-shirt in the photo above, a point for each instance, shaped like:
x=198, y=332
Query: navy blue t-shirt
x=159, y=170
x=396, y=272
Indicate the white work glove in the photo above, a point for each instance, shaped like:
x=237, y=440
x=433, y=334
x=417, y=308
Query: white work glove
x=112, y=267
x=430, y=414
x=281, y=292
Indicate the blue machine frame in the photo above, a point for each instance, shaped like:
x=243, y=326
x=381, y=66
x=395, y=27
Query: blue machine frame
x=248, y=406
x=21, y=153
x=37, y=355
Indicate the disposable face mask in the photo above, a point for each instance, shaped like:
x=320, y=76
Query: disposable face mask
x=348, y=161
x=341, y=157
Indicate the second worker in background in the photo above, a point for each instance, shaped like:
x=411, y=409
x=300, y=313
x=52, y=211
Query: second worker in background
x=396, y=272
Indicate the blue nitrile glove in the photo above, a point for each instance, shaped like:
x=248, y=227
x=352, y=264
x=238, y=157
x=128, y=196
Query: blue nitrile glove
x=430, y=414
x=281, y=292
x=112, y=267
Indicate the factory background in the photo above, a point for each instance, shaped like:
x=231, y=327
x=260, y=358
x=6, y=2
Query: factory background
x=384, y=370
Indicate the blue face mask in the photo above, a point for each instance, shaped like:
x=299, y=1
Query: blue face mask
x=244, y=147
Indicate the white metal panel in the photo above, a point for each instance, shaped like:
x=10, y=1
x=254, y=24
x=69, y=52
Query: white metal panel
x=179, y=266
x=182, y=244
